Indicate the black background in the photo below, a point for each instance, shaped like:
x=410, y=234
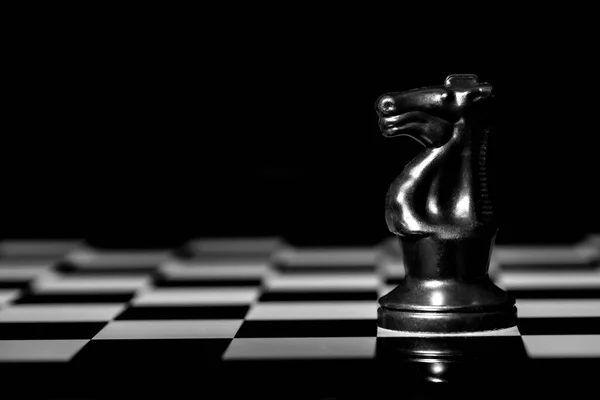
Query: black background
x=156, y=133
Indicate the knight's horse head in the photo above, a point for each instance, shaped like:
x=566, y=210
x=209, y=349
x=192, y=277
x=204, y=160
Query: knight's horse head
x=429, y=114
x=443, y=190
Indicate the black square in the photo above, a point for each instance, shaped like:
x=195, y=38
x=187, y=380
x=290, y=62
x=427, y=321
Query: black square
x=183, y=312
x=312, y=328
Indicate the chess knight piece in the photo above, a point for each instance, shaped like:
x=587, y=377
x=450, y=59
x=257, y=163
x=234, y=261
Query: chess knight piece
x=441, y=210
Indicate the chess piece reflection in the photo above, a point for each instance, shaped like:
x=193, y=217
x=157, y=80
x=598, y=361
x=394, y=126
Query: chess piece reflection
x=442, y=366
x=440, y=208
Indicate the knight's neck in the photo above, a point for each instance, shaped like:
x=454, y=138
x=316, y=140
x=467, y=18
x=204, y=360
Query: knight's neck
x=468, y=155
x=453, y=182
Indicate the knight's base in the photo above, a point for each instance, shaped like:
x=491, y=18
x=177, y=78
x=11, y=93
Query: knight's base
x=385, y=333
x=446, y=322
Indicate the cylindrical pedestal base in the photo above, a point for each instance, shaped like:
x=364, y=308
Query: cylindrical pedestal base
x=446, y=322
x=447, y=289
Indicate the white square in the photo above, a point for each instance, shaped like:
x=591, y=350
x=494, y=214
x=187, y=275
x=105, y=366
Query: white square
x=199, y=329
x=538, y=255
x=41, y=248
x=233, y=246
x=327, y=257
x=551, y=280
x=91, y=258
x=393, y=268
x=89, y=284
x=214, y=270
x=301, y=348
x=39, y=350
x=323, y=282
x=562, y=346
x=8, y=295
x=15, y=272
x=199, y=296
x=60, y=312
x=564, y=308
x=385, y=289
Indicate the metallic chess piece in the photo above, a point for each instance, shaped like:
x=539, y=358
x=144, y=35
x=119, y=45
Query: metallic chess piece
x=440, y=208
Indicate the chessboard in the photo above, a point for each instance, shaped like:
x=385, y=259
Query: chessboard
x=222, y=316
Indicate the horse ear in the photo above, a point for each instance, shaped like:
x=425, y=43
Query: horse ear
x=481, y=103
x=482, y=94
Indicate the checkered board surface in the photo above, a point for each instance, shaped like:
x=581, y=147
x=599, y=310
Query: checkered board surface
x=258, y=303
